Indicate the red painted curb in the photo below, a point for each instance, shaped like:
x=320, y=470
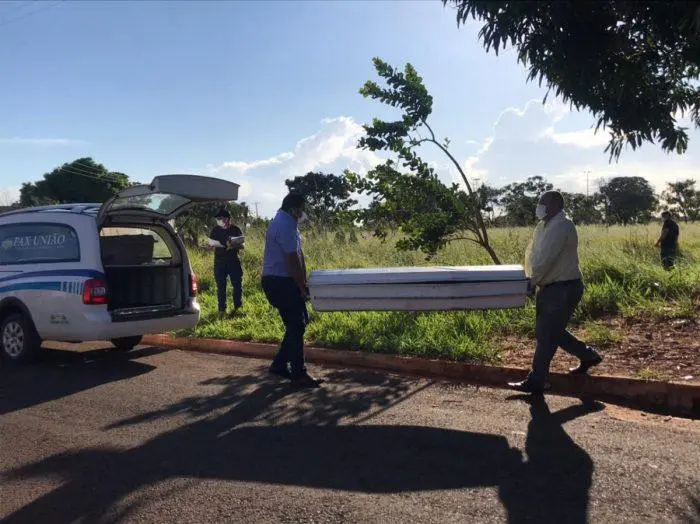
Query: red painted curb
x=672, y=397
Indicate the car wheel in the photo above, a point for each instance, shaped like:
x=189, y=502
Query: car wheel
x=126, y=343
x=20, y=341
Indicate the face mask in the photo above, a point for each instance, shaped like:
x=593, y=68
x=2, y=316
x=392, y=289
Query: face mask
x=302, y=217
x=541, y=212
x=220, y=223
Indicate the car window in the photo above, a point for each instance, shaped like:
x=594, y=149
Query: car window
x=134, y=246
x=156, y=202
x=38, y=242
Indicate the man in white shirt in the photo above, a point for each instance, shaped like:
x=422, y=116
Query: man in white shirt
x=552, y=264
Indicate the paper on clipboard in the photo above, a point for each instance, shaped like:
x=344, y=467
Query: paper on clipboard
x=237, y=241
x=214, y=243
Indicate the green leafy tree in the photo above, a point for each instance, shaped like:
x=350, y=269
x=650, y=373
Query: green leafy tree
x=328, y=198
x=428, y=213
x=431, y=214
x=683, y=199
x=82, y=180
x=488, y=198
x=634, y=65
x=519, y=200
x=582, y=209
x=627, y=200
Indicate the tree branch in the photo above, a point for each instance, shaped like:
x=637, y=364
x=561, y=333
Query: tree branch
x=483, y=233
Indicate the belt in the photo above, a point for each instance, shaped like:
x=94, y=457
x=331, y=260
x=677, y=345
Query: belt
x=563, y=282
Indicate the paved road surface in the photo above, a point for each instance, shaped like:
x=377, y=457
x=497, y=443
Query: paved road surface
x=169, y=436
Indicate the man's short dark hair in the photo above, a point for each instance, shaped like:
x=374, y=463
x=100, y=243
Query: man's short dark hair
x=666, y=214
x=293, y=201
x=556, y=198
x=222, y=213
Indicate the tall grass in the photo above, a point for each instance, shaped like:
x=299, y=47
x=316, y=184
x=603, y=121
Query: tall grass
x=621, y=268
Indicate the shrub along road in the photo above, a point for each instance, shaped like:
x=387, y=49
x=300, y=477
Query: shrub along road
x=170, y=436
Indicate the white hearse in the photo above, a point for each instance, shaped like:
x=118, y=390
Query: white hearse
x=91, y=272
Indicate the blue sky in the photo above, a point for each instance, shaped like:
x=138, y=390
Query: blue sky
x=262, y=91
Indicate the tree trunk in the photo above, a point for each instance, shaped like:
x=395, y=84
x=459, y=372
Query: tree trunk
x=491, y=253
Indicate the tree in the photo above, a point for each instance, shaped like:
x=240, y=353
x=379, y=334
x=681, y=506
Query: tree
x=582, y=209
x=327, y=197
x=519, y=200
x=634, y=65
x=82, y=180
x=627, y=200
x=682, y=198
x=488, y=197
x=435, y=214
x=427, y=212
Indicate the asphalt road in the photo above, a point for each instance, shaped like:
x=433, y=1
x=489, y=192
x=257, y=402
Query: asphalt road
x=169, y=436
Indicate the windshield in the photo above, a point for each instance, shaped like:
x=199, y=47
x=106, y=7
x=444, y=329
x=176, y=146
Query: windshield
x=162, y=203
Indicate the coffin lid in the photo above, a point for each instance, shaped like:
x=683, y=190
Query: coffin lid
x=413, y=275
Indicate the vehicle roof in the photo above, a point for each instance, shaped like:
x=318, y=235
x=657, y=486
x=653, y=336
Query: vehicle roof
x=77, y=208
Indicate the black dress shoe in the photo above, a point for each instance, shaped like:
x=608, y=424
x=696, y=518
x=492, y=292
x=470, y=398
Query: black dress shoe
x=306, y=381
x=280, y=372
x=585, y=365
x=528, y=387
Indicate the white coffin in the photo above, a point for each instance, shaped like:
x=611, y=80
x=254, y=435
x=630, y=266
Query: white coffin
x=419, y=288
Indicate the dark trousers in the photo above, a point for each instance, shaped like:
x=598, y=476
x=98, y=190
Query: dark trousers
x=283, y=294
x=555, y=304
x=227, y=270
x=668, y=258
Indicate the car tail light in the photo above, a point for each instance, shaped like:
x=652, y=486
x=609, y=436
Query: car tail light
x=95, y=291
x=194, y=285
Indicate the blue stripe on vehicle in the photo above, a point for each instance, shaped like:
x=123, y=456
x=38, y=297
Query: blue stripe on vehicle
x=57, y=272
x=34, y=286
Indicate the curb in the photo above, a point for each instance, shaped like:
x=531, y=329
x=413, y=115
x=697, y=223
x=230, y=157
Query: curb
x=667, y=397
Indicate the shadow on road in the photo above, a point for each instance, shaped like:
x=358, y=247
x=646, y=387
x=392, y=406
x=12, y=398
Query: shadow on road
x=691, y=515
x=60, y=373
x=553, y=485
x=263, y=431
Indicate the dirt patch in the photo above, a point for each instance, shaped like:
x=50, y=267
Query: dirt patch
x=641, y=417
x=654, y=350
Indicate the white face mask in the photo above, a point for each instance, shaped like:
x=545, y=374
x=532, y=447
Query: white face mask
x=220, y=223
x=303, y=217
x=541, y=212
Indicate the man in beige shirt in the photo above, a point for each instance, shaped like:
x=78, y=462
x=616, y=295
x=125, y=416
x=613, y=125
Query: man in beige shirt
x=552, y=264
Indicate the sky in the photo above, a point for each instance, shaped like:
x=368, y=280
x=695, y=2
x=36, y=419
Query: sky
x=262, y=91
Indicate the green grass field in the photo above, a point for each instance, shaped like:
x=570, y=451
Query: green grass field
x=620, y=266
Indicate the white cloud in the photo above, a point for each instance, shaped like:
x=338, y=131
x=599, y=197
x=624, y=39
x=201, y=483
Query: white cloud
x=530, y=141
x=332, y=149
x=585, y=138
x=41, y=141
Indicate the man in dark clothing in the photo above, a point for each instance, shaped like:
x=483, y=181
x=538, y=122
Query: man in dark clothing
x=668, y=241
x=227, y=264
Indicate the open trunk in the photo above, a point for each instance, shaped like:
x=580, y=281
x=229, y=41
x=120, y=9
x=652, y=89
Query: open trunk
x=144, y=273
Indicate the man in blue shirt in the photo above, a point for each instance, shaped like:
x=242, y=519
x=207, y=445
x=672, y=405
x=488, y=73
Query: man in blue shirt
x=285, y=286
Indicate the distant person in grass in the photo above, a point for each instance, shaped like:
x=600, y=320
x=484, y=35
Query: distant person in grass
x=552, y=265
x=285, y=286
x=668, y=241
x=227, y=262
